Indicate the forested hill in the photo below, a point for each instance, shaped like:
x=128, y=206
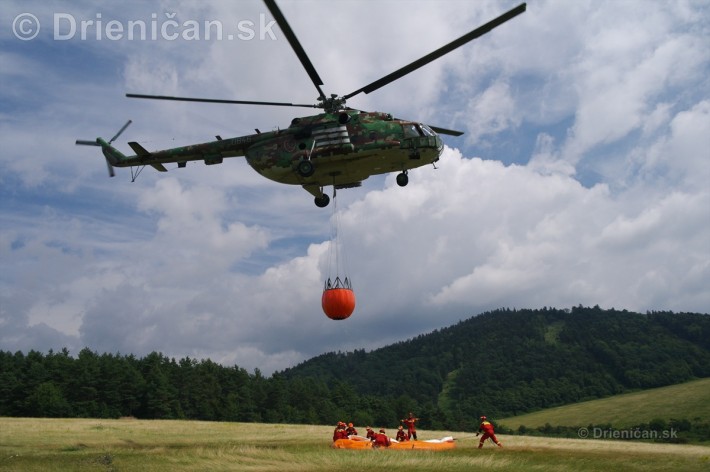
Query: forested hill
x=500, y=363
x=507, y=362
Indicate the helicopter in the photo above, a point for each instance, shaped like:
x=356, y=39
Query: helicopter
x=339, y=147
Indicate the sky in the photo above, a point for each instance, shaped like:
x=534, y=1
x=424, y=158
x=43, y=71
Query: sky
x=582, y=176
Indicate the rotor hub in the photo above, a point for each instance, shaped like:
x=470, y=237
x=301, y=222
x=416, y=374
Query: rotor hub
x=331, y=104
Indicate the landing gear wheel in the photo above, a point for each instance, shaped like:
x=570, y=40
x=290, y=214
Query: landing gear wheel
x=305, y=169
x=402, y=179
x=322, y=201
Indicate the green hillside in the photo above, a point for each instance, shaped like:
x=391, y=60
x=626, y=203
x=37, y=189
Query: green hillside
x=508, y=362
x=689, y=400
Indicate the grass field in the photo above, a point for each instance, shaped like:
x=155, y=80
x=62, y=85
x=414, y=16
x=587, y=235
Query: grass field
x=28, y=444
x=688, y=400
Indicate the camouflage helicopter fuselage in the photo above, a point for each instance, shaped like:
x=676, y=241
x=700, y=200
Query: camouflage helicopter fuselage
x=340, y=149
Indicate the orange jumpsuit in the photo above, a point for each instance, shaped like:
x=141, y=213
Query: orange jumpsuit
x=339, y=433
x=380, y=440
x=411, y=429
x=487, y=429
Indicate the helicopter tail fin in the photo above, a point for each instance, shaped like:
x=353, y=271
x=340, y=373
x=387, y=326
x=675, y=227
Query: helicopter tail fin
x=113, y=156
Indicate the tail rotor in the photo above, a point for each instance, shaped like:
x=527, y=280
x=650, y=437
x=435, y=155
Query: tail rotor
x=123, y=128
x=101, y=143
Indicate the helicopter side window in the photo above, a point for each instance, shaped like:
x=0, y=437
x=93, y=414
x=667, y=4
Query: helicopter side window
x=411, y=131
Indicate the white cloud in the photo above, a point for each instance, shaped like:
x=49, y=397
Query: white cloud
x=491, y=112
x=192, y=230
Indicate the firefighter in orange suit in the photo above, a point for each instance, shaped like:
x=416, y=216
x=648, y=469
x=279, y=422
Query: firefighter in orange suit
x=486, y=428
x=351, y=430
x=411, y=428
x=401, y=435
x=340, y=432
x=380, y=439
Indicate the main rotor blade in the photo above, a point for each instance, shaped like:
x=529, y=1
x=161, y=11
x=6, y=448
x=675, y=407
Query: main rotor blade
x=216, y=100
x=295, y=45
x=450, y=132
x=480, y=31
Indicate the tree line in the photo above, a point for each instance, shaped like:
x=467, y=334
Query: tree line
x=499, y=363
x=157, y=387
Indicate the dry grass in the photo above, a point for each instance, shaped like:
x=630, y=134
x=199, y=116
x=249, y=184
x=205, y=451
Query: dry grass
x=113, y=445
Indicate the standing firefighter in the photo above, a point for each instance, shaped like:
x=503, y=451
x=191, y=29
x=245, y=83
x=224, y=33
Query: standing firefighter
x=411, y=428
x=486, y=428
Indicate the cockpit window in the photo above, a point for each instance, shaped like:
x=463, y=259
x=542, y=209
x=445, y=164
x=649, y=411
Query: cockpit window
x=416, y=130
x=427, y=131
x=410, y=131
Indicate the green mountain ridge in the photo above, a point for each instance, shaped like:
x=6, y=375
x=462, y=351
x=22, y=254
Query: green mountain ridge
x=507, y=362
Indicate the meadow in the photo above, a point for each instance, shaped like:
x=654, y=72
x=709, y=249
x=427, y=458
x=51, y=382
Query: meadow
x=689, y=400
x=31, y=444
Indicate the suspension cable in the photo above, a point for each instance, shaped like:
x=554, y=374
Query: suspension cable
x=336, y=259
